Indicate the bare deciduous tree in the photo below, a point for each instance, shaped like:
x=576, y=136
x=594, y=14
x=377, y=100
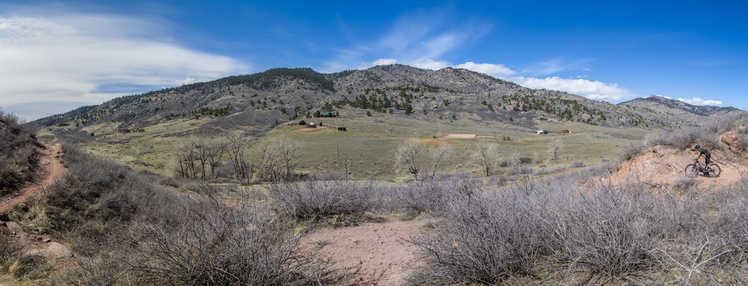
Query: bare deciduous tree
x=344, y=163
x=279, y=160
x=186, y=158
x=438, y=156
x=236, y=148
x=409, y=157
x=200, y=157
x=486, y=156
x=418, y=159
x=555, y=149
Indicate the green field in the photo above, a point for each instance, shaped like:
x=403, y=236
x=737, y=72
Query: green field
x=371, y=143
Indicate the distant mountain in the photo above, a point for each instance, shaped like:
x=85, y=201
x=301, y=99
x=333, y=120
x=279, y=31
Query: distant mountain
x=677, y=112
x=260, y=101
x=673, y=106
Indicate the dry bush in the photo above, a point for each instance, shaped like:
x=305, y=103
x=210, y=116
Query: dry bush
x=684, y=184
x=29, y=266
x=630, y=153
x=201, y=241
x=317, y=199
x=706, y=135
x=488, y=237
x=731, y=221
x=433, y=195
x=609, y=232
x=127, y=230
x=8, y=249
x=92, y=189
x=18, y=155
x=485, y=239
x=605, y=233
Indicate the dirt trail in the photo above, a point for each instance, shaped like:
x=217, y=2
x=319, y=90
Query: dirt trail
x=51, y=169
x=379, y=249
x=661, y=166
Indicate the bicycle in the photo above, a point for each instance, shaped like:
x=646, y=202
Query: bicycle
x=693, y=170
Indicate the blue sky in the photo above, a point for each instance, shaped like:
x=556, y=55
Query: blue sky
x=55, y=56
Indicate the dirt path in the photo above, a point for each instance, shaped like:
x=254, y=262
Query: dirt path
x=51, y=169
x=379, y=249
x=33, y=244
x=661, y=166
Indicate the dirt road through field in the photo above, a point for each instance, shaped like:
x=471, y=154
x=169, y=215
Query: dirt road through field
x=51, y=168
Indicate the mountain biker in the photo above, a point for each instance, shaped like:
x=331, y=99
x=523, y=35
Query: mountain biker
x=707, y=156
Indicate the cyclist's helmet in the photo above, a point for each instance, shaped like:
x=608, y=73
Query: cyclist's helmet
x=697, y=147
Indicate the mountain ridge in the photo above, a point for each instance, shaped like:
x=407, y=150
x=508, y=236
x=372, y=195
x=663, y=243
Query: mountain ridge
x=704, y=110
x=265, y=99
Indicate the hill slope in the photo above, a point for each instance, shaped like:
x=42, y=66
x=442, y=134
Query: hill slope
x=264, y=99
x=678, y=111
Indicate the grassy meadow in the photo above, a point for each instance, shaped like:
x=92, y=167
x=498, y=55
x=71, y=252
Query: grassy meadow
x=371, y=143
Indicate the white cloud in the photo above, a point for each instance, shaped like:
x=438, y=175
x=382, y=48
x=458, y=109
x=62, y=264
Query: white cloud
x=660, y=95
x=428, y=63
x=495, y=70
x=700, y=101
x=596, y=90
x=68, y=57
x=187, y=80
x=384, y=62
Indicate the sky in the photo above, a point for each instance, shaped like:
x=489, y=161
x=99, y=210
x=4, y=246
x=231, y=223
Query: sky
x=56, y=56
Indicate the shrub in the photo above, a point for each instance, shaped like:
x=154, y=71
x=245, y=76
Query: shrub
x=18, y=155
x=126, y=229
x=26, y=265
x=630, y=153
x=525, y=160
x=433, y=195
x=705, y=135
x=317, y=199
x=485, y=239
x=219, y=245
x=731, y=221
x=609, y=231
x=488, y=237
x=8, y=249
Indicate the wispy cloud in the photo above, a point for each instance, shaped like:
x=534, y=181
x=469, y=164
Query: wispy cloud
x=419, y=39
x=68, y=57
x=557, y=65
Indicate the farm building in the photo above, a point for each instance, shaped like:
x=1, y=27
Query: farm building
x=328, y=114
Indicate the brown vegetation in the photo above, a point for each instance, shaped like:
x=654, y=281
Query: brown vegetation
x=18, y=154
